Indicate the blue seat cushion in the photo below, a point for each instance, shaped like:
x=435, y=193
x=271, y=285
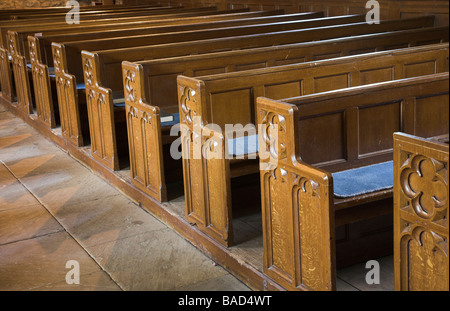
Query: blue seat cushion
x=243, y=145
x=119, y=103
x=363, y=180
x=51, y=72
x=176, y=120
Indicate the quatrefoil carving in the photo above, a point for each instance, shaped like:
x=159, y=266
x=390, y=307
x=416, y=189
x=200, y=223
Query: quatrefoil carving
x=424, y=187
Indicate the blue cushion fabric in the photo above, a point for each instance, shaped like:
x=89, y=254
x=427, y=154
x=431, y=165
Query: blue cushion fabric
x=176, y=120
x=363, y=180
x=243, y=145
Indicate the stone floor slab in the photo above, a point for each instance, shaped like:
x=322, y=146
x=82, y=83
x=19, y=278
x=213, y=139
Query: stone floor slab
x=108, y=219
x=165, y=260
x=26, y=222
x=41, y=261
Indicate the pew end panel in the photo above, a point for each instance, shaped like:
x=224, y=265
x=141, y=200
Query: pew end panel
x=6, y=77
x=101, y=116
x=20, y=74
x=297, y=207
x=200, y=207
x=421, y=211
x=144, y=135
x=43, y=93
x=68, y=99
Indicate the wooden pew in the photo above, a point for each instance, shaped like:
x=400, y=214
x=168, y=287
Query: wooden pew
x=421, y=211
x=9, y=14
x=86, y=15
x=230, y=99
x=101, y=84
x=156, y=86
x=204, y=22
x=63, y=49
x=20, y=49
x=160, y=16
x=300, y=203
x=42, y=46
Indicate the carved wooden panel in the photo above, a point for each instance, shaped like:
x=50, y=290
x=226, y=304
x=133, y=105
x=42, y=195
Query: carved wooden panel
x=298, y=217
x=421, y=214
x=41, y=81
x=100, y=113
x=19, y=66
x=205, y=169
x=144, y=136
x=6, y=76
x=67, y=97
x=192, y=164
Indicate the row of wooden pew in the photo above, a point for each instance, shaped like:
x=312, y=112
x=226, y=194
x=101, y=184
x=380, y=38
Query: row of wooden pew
x=333, y=102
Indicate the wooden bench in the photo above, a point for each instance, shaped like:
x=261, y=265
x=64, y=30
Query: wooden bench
x=156, y=86
x=230, y=99
x=184, y=16
x=86, y=15
x=8, y=14
x=162, y=16
x=4, y=24
x=302, y=193
x=421, y=211
x=101, y=84
x=43, y=45
x=62, y=50
x=20, y=48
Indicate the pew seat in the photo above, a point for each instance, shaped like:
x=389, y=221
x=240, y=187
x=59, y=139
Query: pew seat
x=363, y=180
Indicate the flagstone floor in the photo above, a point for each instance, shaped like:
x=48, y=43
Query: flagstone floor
x=54, y=211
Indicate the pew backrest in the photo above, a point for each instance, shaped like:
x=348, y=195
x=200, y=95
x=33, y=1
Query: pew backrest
x=110, y=60
x=360, y=121
x=230, y=98
x=159, y=75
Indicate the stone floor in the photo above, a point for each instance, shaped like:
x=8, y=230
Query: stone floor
x=54, y=210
